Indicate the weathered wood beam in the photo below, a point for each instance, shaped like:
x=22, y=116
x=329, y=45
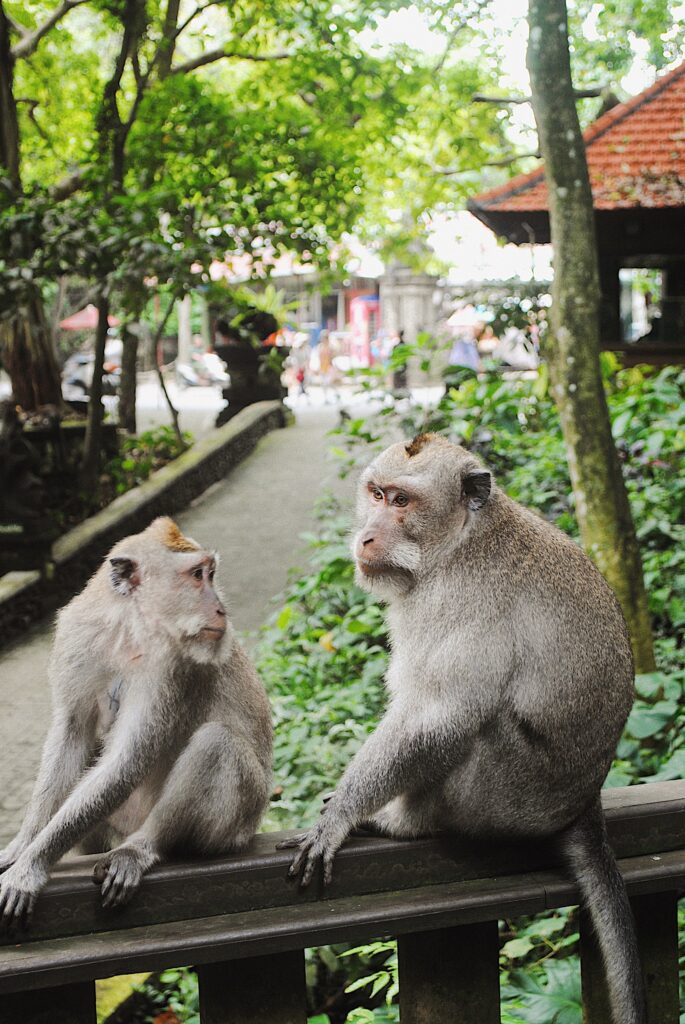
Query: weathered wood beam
x=244, y=906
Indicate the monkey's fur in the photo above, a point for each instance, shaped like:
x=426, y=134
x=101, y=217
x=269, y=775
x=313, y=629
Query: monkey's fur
x=161, y=732
x=510, y=680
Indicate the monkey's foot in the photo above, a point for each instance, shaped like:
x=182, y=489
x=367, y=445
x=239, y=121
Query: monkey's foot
x=319, y=845
x=19, y=888
x=119, y=875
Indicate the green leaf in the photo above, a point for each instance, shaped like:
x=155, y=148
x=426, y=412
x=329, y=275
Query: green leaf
x=284, y=616
x=673, y=768
x=516, y=948
x=648, y=721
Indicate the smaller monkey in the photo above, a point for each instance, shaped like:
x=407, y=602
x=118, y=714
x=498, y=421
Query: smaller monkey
x=510, y=680
x=161, y=731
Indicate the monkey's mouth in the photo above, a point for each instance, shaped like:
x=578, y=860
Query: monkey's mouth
x=371, y=568
x=211, y=633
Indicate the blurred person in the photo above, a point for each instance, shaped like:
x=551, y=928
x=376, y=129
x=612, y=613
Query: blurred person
x=399, y=373
x=297, y=363
x=326, y=367
x=464, y=351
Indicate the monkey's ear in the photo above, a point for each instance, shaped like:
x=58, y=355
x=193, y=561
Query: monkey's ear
x=124, y=575
x=476, y=488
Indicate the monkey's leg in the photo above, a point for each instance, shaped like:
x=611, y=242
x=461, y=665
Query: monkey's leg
x=66, y=753
x=130, y=751
x=211, y=801
x=406, y=817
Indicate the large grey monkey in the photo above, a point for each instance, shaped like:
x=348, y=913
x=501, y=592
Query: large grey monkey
x=161, y=733
x=510, y=681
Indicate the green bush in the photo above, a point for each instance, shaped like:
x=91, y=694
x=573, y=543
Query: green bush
x=141, y=455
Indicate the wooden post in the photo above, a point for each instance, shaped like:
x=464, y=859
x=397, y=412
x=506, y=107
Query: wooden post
x=656, y=921
x=254, y=991
x=595, y=995
x=68, y=1004
x=451, y=974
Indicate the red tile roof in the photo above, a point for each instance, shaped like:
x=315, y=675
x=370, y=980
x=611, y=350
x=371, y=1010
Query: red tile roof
x=635, y=154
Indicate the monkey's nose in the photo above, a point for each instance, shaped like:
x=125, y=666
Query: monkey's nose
x=367, y=540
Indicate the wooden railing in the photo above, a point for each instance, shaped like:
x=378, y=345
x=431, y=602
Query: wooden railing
x=245, y=926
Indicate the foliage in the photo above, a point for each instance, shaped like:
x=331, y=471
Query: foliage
x=607, y=37
x=175, y=991
x=548, y=996
x=141, y=455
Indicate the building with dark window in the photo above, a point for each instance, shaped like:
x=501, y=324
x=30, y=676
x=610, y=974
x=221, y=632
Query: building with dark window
x=636, y=159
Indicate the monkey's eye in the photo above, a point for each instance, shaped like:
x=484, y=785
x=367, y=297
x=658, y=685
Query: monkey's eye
x=401, y=500
x=211, y=575
x=197, y=573
x=377, y=494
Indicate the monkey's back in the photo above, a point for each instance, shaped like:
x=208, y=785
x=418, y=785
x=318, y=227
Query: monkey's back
x=556, y=652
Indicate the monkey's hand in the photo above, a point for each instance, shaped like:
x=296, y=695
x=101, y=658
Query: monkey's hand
x=319, y=844
x=19, y=888
x=119, y=874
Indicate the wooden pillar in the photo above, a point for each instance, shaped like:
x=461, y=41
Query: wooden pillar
x=656, y=922
x=258, y=990
x=595, y=996
x=67, y=1004
x=451, y=974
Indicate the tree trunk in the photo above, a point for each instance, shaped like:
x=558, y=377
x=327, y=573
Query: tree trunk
x=29, y=357
x=90, y=465
x=602, y=508
x=25, y=343
x=168, y=44
x=9, y=126
x=129, y=380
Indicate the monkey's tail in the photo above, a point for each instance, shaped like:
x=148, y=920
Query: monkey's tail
x=585, y=848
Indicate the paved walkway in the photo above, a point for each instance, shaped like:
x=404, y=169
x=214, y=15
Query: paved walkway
x=254, y=518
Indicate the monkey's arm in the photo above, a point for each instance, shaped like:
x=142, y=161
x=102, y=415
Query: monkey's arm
x=67, y=749
x=132, y=747
x=401, y=754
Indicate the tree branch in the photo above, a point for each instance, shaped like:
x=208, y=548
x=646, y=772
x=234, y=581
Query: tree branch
x=28, y=44
x=504, y=162
x=155, y=340
x=31, y=114
x=21, y=30
x=191, y=17
x=580, y=94
x=214, y=55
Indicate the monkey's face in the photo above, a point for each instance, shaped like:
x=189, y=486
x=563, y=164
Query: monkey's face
x=169, y=592
x=414, y=503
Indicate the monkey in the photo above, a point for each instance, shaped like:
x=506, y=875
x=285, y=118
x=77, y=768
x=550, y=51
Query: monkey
x=509, y=683
x=161, y=734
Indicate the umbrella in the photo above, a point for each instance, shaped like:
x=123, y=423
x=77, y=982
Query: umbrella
x=85, y=320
